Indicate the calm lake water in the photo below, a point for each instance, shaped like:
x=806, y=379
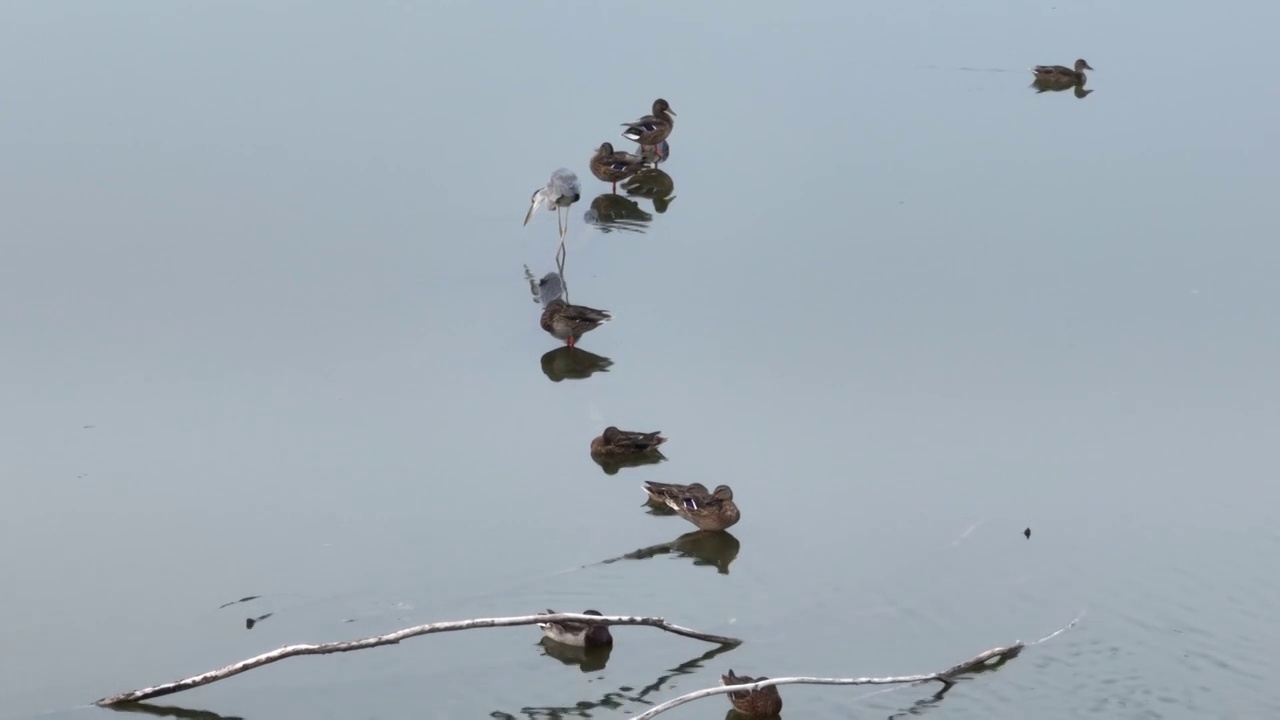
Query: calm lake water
x=267, y=332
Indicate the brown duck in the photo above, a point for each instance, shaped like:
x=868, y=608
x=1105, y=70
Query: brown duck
x=613, y=166
x=564, y=321
x=652, y=129
x=1060, y=74
x=765, y=702
x=626, y=442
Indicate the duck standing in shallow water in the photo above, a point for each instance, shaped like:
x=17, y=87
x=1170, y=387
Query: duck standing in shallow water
x=626, y=442
x=578, y=634
x=652, y=129
x=1058, y=74
x=614, y=166
x=564, y=321
x=765, y=702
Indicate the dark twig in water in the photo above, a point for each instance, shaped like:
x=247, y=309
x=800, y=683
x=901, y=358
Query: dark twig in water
x=394, y=638
x=948, y=677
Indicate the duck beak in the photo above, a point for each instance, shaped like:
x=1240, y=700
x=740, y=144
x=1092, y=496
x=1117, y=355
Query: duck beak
x=1088, y=66
x=673, y=112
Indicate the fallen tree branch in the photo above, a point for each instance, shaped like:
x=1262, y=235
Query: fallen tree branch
x=394, y=638
x=947, y=677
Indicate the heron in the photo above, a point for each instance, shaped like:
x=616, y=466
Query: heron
x=561, y=191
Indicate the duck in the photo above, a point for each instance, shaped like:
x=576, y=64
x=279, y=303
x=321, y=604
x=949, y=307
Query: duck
x=578, y=634
x=1060, y=74
x=659, y=492
x=612, y=166
x=626, y=442
x=651, y=129
x=564, y=321
x=765, y=702
x=713, y=512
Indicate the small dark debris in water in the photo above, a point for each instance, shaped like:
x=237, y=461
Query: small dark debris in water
x=241, y=600
x=1027, y=532
x=250, y=622
x=86, y=427
x=349, y=620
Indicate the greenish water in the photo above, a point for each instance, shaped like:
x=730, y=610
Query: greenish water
x=267, y=331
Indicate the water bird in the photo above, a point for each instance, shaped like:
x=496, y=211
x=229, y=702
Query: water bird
x=713, y=510
x=1027, y=533
x=765, y=702
x=1060, y=74
x=659, y=492
x=626, y=442
x=564, y=321
x=612, y=165
x=561, y=191
x=651, y=129
x=578, y=634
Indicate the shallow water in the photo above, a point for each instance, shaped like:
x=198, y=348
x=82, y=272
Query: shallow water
x=268, y=332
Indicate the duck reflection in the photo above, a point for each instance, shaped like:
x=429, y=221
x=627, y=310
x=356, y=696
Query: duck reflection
x=573, y=363
x=611, y=464
x=588, y=659
x=615, y=699
x=654, y=184
x=715, y=549
x=1052, y=85
x=611, y=212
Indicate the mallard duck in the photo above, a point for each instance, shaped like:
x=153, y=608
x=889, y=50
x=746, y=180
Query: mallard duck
x=564, y=321
x=765, y=702
x=612, y=165
x=716, y=511
x=1059, y=74
x=659, y=492
x=578, y=634
x=651, y=129
x=626, y=442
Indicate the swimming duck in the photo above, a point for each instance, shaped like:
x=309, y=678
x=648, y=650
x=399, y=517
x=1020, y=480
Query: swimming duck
x=1060, y=74
x=612, y=165
x=765, y=702
x=578, y=634
x=651, y=129
x=626, y=442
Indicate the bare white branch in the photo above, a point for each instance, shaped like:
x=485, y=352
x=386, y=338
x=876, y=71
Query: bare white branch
x=394, y=638
x=947, y=677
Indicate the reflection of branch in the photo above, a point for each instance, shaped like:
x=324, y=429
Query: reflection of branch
x=948, y=677
x=614, y=699
x=173, y=711
x=394, y=638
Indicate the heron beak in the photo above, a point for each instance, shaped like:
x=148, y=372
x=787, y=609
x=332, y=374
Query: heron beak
x=537, y=200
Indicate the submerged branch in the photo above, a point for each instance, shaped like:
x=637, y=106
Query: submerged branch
x=393, y=639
